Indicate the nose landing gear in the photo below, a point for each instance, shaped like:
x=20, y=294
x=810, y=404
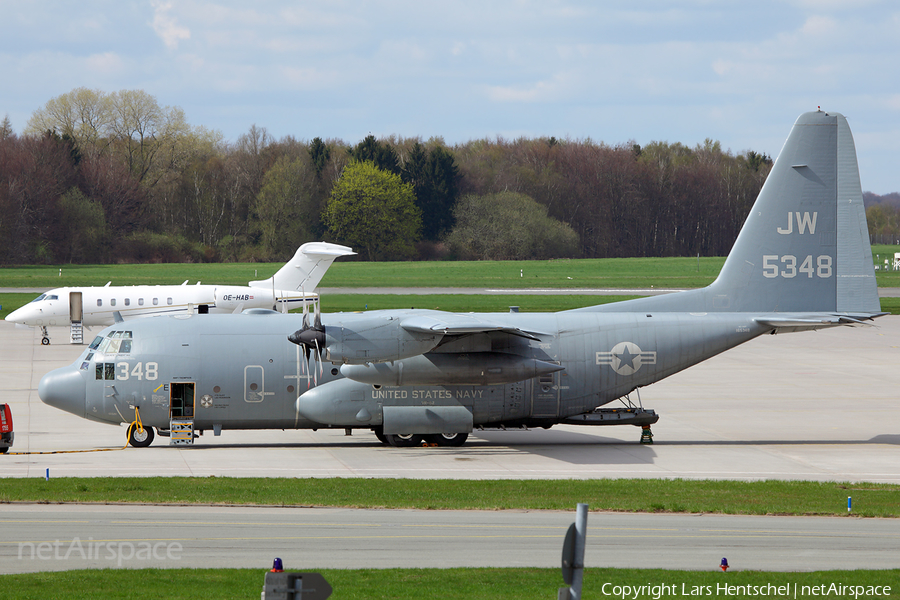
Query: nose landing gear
x=139, y=436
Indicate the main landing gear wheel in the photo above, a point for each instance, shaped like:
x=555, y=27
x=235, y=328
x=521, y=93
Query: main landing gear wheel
x=379, y=433
x=404, y=440
x=447, y=439
x=140, y=438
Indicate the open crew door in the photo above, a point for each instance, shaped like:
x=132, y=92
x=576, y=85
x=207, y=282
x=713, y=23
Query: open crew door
x=181, y=413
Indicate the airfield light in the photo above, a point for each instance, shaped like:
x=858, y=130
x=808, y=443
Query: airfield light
x=277, y=566
x=724, y=564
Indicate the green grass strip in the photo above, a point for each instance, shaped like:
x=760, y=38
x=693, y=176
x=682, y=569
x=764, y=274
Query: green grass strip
x=452, y=584
x=672, y=272
x=630, y=495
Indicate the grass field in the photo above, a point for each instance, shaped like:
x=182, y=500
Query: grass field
x=441, y=584
x=627, y=495
x=623, y=273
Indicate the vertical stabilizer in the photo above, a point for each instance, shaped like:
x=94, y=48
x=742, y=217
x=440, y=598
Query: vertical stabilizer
x=306, y=269
x=805, y=244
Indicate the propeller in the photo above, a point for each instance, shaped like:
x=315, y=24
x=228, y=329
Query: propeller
x=312, y=338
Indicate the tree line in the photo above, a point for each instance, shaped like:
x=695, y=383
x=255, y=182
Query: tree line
x=99, y=177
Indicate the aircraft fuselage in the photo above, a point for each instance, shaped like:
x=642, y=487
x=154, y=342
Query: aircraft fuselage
x=247, y=375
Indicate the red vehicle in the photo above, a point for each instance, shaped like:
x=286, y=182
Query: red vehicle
x=6, y=428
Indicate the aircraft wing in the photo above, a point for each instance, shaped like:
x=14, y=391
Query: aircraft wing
x=462, y=324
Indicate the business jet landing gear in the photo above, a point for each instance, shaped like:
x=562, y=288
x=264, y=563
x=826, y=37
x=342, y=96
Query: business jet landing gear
x=140, y=437
x=45, y=339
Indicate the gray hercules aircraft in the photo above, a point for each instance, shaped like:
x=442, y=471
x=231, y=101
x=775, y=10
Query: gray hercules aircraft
x=801, y=262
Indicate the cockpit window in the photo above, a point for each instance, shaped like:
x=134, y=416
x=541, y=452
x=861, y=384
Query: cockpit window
x=117, y=342
x=46, y=297
x=95, y=343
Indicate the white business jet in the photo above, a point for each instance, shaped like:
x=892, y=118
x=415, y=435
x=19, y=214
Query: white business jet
x=79, y=307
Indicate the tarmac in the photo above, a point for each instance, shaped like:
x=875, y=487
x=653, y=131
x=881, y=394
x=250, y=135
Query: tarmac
x=818, y=406
x=63, y=537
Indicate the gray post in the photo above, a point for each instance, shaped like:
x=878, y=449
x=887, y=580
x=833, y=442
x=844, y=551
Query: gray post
x=580, y=538
x=573, y=556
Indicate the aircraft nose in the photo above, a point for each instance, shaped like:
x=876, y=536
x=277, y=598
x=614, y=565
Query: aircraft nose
x=63, y=389
x=20, y=315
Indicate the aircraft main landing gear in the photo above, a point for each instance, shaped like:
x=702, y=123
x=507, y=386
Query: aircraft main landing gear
x=447, y=439
x=410, y=440
x=401, y=440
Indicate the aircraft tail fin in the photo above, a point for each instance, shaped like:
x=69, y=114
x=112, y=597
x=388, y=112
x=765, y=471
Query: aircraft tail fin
x=305, y=270
x=805, y=244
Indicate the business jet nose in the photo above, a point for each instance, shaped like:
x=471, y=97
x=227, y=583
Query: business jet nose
x=63, y=389
x=21, y=315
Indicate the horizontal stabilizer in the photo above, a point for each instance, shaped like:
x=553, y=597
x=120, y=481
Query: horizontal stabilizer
x=785, y=324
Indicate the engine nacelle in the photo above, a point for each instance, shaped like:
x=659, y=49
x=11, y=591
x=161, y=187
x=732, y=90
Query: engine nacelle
x=474, y=368
x=378, y=338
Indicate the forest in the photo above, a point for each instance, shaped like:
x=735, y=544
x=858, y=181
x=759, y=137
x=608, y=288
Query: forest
x=101, y=177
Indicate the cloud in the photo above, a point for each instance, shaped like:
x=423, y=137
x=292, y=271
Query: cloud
x=166, y=27
x=107, y=63
x=546, y=90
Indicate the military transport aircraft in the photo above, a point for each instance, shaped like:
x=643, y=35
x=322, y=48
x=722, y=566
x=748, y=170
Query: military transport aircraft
x=81, y=307
x=801, y=262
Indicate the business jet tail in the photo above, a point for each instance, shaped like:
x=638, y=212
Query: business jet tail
x=306, y=269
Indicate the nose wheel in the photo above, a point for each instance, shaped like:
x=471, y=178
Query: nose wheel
x=45, y=339
x=140, y=437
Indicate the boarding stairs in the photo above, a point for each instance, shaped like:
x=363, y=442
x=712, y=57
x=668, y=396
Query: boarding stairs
x=181, y=431
x=76, y=333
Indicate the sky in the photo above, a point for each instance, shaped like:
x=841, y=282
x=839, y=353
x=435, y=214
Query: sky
x=736, y=71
